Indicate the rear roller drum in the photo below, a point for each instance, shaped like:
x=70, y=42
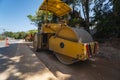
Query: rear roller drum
x=65, y=59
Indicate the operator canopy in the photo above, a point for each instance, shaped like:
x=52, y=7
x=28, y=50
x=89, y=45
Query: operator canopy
x=57, y=7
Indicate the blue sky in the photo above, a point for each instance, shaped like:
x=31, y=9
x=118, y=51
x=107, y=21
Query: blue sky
x=13, y=14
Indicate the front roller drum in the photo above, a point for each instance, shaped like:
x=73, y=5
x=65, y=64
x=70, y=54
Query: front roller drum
x=65, y=59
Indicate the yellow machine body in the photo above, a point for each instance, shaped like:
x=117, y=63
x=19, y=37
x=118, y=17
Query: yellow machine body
x=57, y=7
x=69, y=44
x=66, y=41
x=71, y=49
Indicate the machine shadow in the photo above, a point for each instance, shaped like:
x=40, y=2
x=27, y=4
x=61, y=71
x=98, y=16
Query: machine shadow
x=56, y=67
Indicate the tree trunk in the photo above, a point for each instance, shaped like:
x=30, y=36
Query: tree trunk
x=87, y=14
x=85, y=8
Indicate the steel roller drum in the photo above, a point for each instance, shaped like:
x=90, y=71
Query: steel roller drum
x=82, y=35
x=75, y=34
x=72, y=34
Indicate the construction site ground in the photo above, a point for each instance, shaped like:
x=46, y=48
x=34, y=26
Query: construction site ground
x=104, y=66
x=20, y=62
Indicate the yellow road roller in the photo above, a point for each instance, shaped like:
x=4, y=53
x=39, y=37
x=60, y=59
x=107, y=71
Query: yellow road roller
x=69, y=44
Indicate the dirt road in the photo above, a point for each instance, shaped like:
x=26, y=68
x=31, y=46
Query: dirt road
x=97, y=68
x=18, y=62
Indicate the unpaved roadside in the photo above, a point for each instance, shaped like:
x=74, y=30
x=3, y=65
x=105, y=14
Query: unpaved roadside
x=110, y=53
x=98, y=68
x=110, y=50
x=18, y=62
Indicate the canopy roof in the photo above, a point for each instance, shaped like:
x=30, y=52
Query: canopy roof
x=57, y=7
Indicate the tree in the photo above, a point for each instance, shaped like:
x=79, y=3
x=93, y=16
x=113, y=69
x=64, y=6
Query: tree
x=116, y=12
x=40, y=17
x=8, y=34
x=16, y=35
x=22, y=35
x=31, y=32
x=30, y=35
x=84, y=7
x=2, y=37
x=107, y=18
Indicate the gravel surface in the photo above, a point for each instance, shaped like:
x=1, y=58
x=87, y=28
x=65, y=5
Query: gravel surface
x=111, y=49
x=18, y=62
x=110, y=53
x=97, y=68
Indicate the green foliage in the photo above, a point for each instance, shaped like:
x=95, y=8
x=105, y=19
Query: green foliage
x=32, y=32
x=20, y=35
x=83, y=7
x=16, y=35
x=9, y=34
x=107, y=18
x=30, y=35
x=2, y=37
x=40, y=17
